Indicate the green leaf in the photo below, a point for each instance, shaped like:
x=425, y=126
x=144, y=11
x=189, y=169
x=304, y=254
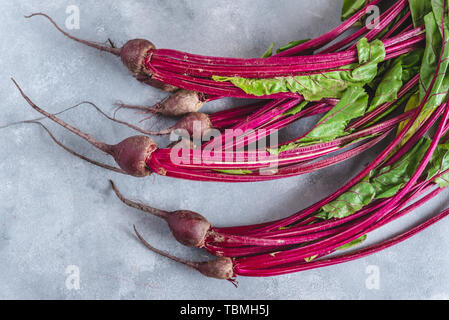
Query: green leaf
x=349, y=202
x=388, y=88
x=310, y=259
x=438, y=164
x=354, y=243
x=419, y=9
x=350, y=7
x=399, y=103
x=411, y=64
x=389, y=72
x=430, y=63
x=315, y=87
x=352, y=105
x=370, y=53
x=297, y=109
x=269, y=51
x=380, y=184
x=412, y=103
x=235, y=172
x=389, y=180
x=434, y=43
x=291, y=44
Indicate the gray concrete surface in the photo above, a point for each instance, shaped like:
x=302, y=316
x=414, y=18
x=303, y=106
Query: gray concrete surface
x=56, y=211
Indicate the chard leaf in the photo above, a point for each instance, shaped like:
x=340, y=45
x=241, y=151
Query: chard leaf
x=388, y=88
x=380, y=184
x=310, y=259
x=411, y=64
x=350, y=202
x=434, y=43
x=352, y=105
x=350, y=7
x=297, y=109
x=315, y=87
x=354, y=243
x=438, y=164
x=269, y=51
x=291, y=44
x=235, y=172
x=430, y=63
x=412, y=103
x=389, y=180
x=419, y=9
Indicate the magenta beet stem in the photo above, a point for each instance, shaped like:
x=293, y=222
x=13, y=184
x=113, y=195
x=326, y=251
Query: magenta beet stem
x=358, y=230
x=330, y=36
x=289, y=171
x=288, y=69
x=297, y=267
x=230, y=250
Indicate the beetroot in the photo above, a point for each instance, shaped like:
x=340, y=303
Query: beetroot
x=132, y=55
x=189, y=228
x=220, y=268
x=180, y=103
x=130, y=154
x=195, y=121
x=236, y=166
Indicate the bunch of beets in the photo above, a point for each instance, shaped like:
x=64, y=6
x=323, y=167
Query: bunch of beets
x=389, y=82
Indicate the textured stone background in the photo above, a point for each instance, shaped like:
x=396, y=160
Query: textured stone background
x=57, y=211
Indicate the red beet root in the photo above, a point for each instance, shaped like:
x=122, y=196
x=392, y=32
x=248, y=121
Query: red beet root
x=180, y=103
x=132, y=55
x=189, y=228
x=220, y=268
x=194, y=123
x=130, y=154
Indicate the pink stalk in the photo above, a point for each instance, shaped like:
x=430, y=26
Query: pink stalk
x=284, y=172
x=303, y=266
x=330, y=36
x=286, y=243
x=211, y=87
x=395, y=28
x=237, y=160
x=390, y=15
x=287, y=69
x=353, y=233
x=385, y=19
